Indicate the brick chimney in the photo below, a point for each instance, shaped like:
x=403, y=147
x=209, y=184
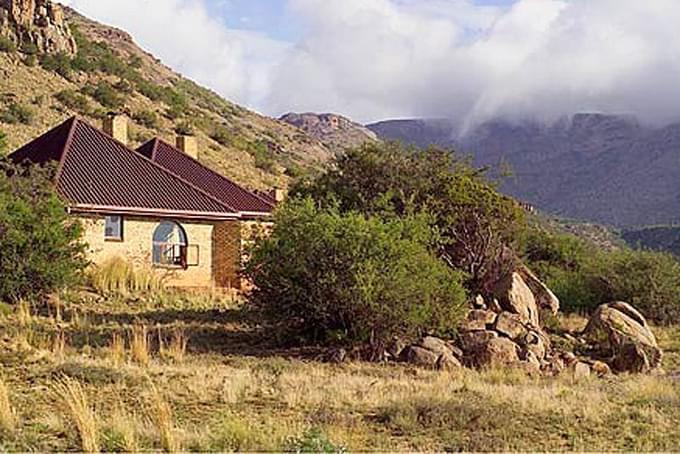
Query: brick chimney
x=116, y=126
x=188, y=145
x=278, y=194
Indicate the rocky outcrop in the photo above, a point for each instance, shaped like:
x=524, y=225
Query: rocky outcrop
x=38, y=23
x=515, y=296
x=619, y=334
x=335, y=131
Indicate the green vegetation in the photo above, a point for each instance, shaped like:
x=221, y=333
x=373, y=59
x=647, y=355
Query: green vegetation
x=222, y=136
x=58, y=63
x=583, y=276
x=41, y=249
x=475, y=222
x=147, y=118
x=105, y=94
x=17, y=113
x=7, y=45
x=3, y=142
x=73, y=100
x=185, y=128
x=349, y=278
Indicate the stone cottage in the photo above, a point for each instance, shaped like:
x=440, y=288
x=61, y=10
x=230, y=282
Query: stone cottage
x=156, y=206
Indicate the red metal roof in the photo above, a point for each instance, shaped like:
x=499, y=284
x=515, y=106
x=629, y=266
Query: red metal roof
x=98, y=173
x=220, y=187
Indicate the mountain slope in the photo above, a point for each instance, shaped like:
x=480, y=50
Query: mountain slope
x=603, y=168
x=110, y=72
x=335, y=131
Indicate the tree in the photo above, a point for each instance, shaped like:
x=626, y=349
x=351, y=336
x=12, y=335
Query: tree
x=476, y=223
x=351, y=278
x=40, y=245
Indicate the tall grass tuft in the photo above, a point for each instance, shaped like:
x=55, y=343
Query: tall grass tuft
x=74, y=402
x=176, y=347
x=117, y=350
x=121, y=432
x=116, y=275
x=161, y=414
x=139, y=345
x=59, y=345
x=8, y=417
x=24, y=313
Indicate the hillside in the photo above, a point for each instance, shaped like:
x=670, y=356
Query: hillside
x=334, y=131
x=602, y=168
x=108, y=71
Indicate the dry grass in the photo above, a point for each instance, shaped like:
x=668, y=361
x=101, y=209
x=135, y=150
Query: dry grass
x=214, y=401
x=74, y=402
x=8, y=417
x=117, y=350
x=139, y=345
x=161, y=414
x=176, y=348
x=119, y=276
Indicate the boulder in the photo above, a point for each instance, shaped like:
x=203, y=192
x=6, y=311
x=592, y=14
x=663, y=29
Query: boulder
x=420, y=356
x=478, y=302
x=435, y=344
x=496, y=351
x=447, y=361
x=537, y=342
x=515, y=296
x=545, y=298
x=510, y=325
x=620, y=333
x=600, y=368
x=470, y=341
x=477, y=320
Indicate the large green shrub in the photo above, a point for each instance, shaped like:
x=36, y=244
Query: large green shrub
x=40, y=244
x=344, y=276
x=476, y=222
x=583, y=276
x=73, y=100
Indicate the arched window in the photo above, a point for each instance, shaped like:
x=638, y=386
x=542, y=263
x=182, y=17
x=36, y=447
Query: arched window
x=170, y=245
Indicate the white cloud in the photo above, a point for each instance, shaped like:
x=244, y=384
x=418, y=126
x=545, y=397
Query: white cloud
x=183, y=34
x=374, y=59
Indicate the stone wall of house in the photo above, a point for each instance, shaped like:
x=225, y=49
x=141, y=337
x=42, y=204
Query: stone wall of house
x=137, y=244
x=227, y=254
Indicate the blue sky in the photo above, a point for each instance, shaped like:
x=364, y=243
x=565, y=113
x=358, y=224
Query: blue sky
x=272, y=17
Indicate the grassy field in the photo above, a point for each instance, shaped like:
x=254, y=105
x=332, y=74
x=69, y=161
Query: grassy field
x=198, y=373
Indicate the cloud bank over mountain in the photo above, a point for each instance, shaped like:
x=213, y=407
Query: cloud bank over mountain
x=374, y=59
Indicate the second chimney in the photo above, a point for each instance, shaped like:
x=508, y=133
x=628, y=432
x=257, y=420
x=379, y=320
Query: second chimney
x=116, y=126
x=188, y=145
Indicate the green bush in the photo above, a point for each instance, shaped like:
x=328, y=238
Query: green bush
x=313, y=440
x=345, y=277
x=3, y=142
x=40, y=244
x=147, y=118
x=104, y=94
x=583, y=276
x=7, y=45
x=58, y=63
x=184, y=128
x=476, y=222
x=73, y=100
x=17, y=113
x=29, y=49
x=222, y=136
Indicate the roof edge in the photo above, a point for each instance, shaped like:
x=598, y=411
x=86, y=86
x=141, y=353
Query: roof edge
x=103, y=209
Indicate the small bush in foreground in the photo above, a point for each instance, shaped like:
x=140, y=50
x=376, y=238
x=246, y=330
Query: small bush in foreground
x=75, y=404
x=17, y=113
x=118, y=276
x=355, y=279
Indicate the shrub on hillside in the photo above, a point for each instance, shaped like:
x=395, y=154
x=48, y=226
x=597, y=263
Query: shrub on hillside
x=17, y=113
x=73, y=100
x=475, y=221
x=3, y=142
x=147, y=118
x=40, y=244
x=7, y=45
x=58, y=63
x=104, y=94
x=352, y=278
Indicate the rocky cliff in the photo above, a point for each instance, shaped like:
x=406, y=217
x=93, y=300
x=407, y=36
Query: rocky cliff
x=36, y=23
x=335, y=131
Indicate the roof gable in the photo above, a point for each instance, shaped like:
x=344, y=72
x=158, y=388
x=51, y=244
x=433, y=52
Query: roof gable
x=96, y=172
x=213, y=183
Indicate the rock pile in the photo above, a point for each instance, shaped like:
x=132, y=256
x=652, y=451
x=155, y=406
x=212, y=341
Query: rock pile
x=507, y=329
x=36, y=22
